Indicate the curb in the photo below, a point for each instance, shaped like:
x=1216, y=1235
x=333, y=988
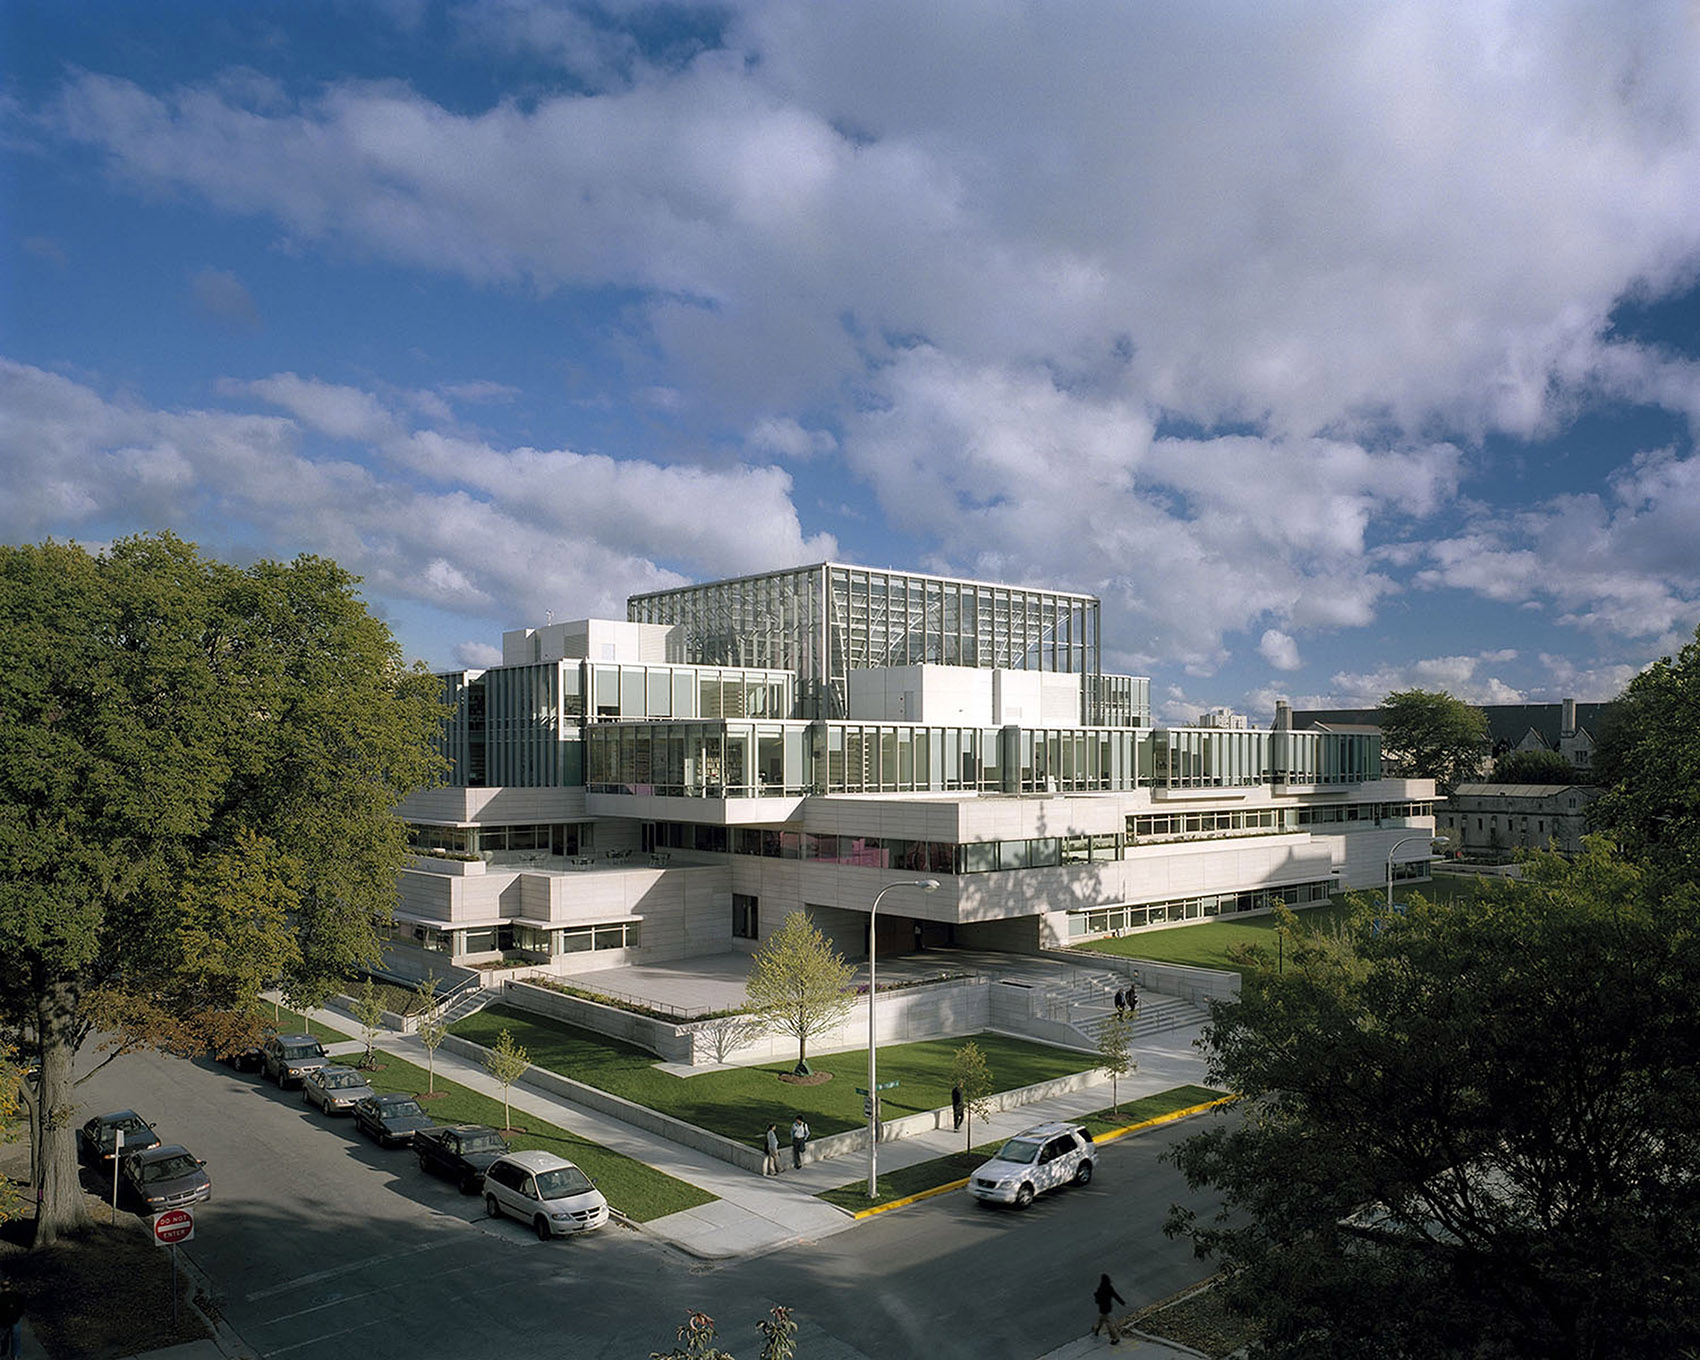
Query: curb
x=1110, y=1137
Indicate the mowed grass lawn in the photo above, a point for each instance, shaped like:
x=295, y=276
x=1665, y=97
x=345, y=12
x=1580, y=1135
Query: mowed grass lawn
x=1209, y=944
x=636, y=1190
x=740, y=1102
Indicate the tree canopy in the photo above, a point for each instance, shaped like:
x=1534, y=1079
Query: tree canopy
x=1536, y=767
x=1648, y=756
x=199, y=765
x=1467, y=1130
x=1430, y=735
x=799, y=984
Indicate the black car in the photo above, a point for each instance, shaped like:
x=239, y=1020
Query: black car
x=461, y=1152
x=391, y=1119
x=98, y=1138
x=166, y=1177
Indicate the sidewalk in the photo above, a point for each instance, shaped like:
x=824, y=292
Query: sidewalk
x=757, y=1214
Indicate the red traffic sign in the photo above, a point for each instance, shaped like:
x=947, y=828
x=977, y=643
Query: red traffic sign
x=173, y=1226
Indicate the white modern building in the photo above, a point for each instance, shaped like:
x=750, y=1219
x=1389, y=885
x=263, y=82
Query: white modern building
x=675, y=784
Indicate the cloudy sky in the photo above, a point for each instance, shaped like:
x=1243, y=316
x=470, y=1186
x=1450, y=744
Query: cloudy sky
x=1338, y=347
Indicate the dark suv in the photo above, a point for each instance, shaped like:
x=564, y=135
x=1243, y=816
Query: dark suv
x=288, y=1058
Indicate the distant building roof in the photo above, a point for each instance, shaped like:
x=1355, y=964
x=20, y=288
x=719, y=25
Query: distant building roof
x=1520, y=790
x=1508, y=724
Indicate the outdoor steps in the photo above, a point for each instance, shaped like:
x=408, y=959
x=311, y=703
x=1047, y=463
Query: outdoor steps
x=1156, y=1015
x=470, y=1002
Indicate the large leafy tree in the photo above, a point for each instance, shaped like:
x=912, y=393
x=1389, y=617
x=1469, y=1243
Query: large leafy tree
x=1536, y=767
x=1648, y=756
x=1467, y=1130
x=198, y=770
x=1428, y=734
x=799, y=985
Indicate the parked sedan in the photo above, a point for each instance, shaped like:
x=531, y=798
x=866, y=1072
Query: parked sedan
x=391, y=1119
x=546, y=1191
x=461, y=1152
x=166, y=1177
x=98, y=1138
x=335, y=1090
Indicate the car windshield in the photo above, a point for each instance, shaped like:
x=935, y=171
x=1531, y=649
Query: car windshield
x=341, y=1081
x=561, y=1182
x=402, y=1109
x=169, y=1168
x=311, y=1050
x=131, y=1125
x=1019, y=1150
x=481, y=1142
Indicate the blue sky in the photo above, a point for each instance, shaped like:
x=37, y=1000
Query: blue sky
x=1339, y=348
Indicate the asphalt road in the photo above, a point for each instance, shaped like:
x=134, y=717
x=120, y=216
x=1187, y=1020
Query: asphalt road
x=320, y=1245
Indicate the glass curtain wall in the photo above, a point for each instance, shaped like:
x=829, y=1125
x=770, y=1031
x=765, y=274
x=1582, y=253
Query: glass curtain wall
x=822, y=622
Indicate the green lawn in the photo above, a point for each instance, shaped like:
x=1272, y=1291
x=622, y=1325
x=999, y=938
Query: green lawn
x=287, y=1021
x=740, y=1102
x=638, y=1191
x=1209, y=943
x=958, y=1166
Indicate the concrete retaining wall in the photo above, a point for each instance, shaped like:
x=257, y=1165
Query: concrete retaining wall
x=929, y=1011
x=1200, y=986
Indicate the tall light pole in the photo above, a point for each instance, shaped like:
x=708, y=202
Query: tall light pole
x=1431, y=838
x=926, y=885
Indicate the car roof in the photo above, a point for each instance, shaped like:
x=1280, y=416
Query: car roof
x=294, y=1038
x=467, y=1128
x=329, y=1068
x=1048, y=1130
x=391, y=1097
x=160, y=1153
x=112, y=1117
x=534, y=1159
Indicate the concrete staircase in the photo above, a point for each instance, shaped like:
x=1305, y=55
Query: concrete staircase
x=1156, y=1015
x=469, y=1001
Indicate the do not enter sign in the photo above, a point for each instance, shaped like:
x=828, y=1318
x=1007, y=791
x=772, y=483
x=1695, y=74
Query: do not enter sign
x=173, y=1226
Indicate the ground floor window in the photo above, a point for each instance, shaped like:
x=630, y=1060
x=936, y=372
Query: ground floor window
x=583, y=939
x=746, y=917
x=480, y=941
x=1130, y=916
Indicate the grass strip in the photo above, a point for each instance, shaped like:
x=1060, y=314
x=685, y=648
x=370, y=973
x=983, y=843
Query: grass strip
x=740, y=1102
x=286, y=1021
x=638, y=1191
x=953, y=1169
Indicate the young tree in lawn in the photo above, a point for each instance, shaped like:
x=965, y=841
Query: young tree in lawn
x=431, y=1028
x=506, y=1062
x=970, y=1074
x=369, y=1011
x=1467, y=1130
x=1115, y=1053
x=799, y=985
x=199, y=765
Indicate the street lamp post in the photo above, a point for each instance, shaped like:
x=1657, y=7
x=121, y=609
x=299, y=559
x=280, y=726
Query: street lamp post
x=926, y=885
x=1431, y=838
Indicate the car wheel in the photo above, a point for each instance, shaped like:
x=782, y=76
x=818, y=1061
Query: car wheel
x=541, y=1224
x=1024, y=1197
x=423, y=1164
x=306, y=1098
x=491, y=1206
x=469, y=1183
x=1083, y=1173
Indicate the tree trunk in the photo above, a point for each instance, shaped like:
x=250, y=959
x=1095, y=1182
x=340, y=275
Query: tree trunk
x=61, y=1205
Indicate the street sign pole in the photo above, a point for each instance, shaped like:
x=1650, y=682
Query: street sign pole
x=117, y=1157
x=173, y=1289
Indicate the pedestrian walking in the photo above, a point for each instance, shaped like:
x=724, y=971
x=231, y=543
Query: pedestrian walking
x=11, y=1320
x=1121, y=1004
x=799, y=1136
x=956, y=1105
x=1104, y=1295
x=770, y=1167
x=1132, y=999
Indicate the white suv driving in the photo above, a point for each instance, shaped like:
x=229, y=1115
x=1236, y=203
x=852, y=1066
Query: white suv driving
x=544, y=1190
x=1034, y=1161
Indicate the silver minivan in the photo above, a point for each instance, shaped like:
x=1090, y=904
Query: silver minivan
x=1034, y=1161
x=546, y=1191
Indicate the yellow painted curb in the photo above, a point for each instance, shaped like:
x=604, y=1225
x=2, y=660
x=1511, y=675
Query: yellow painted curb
x=1109, y=1137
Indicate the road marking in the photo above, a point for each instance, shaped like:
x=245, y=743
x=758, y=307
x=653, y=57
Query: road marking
x=349, y=1269
x=359, y=1326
